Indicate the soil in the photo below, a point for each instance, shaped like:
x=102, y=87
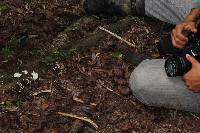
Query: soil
x=88, y=83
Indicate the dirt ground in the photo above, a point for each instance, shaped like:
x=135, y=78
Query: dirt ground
x=60, y=73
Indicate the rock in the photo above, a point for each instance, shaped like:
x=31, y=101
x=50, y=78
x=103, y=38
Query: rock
x=125, y=91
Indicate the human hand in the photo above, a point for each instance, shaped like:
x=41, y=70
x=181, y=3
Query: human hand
x=192, y=78
x=179, y=40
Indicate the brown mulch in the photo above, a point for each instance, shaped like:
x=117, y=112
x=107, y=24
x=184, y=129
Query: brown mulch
x=92, y=84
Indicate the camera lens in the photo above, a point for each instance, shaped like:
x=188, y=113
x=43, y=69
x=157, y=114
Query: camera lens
x=177, y=66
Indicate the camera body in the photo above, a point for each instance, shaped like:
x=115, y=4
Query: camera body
x=176, y=63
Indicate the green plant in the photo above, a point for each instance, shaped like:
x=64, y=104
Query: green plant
x=117, y=55
x=7, y=51
x=3, y=8
x=11, y=45
x=136, y=19
x=48, y=60
x=66, y=53
x=19, y=103
x=57, y=55
x=13, y=40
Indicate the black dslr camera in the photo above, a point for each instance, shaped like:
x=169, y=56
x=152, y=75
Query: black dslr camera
x=176, y=63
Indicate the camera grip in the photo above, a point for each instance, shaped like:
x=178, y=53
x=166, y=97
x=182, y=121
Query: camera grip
x=166, y=48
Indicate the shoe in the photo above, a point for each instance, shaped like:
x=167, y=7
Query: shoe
x=140, y=7
x=113, y=7
x=135, y=58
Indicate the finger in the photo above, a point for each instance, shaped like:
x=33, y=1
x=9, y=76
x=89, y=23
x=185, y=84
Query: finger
x=184, y=77
x=192, y=59
x=196, y=88
x=179, y=34
x=191, y=28
x=188, y=85
x=174, y=42
x=179, y=43
x=194, y=30
x=193, y=89
x=179, y=39
x=173, y=39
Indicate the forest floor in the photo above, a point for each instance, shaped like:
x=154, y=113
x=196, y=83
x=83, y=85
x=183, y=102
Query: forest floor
x=60, y=73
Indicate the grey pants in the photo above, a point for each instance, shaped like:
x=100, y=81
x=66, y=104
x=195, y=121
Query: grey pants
x=149, y=81
x=170, y=11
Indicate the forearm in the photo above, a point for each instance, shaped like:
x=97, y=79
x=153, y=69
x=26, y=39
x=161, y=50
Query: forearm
x=192, y=15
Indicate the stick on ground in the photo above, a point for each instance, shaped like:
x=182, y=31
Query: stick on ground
x=118, y=37
x=80, y=118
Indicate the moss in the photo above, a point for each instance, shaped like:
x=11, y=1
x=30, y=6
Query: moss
x=117, y=55
x=3, y=8
x=57, y=55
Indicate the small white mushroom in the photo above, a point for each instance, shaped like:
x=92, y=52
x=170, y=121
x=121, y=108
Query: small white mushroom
x=35, y=75
x=25, y=72
x=17, y=75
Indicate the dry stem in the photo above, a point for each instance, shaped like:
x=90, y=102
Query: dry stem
x=80, y=118
x=118, y=37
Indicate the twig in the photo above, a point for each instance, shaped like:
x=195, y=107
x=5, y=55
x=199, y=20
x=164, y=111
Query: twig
x=109, y=89
x=101, y=83
x=72, y=12
x=80, y=118
x=51, y=88
x=118, y=37
x=42, y=91
x=195, y=116
x=77, y=99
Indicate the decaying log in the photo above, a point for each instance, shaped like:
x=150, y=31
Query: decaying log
x=94, y=38
x=63, y=37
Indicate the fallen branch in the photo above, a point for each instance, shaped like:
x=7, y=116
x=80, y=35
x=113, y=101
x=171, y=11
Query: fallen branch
x=118, y=37
x=80, y=118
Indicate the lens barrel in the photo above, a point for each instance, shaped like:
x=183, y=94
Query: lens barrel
x=177, y=66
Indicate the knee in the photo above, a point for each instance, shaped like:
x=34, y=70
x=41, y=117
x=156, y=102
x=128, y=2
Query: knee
x=136, y=79
x=148, y=80
x=139, y=84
